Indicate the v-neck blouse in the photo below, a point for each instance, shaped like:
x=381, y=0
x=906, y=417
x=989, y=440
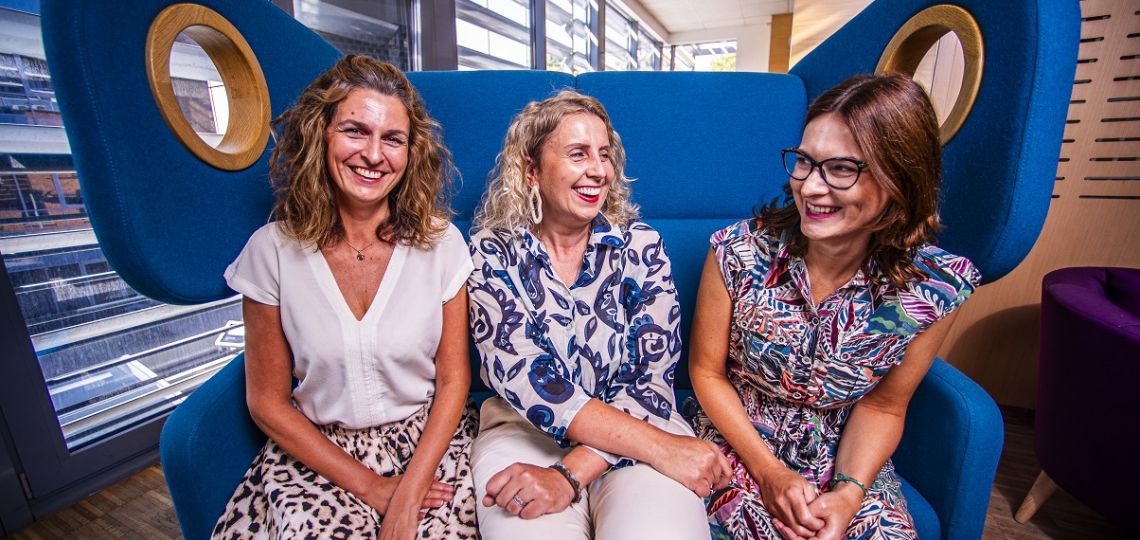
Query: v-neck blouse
x=356, y=373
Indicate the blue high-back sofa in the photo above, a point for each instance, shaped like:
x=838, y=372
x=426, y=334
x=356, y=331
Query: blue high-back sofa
x=703, y=147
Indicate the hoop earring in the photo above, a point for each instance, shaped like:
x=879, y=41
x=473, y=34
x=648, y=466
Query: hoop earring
x=535, y=204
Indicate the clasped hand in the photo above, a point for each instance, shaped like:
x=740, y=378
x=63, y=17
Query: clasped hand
x=800, y=512
x=401, y=516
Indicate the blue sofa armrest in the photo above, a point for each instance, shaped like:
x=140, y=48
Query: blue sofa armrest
x=950, y=449
x=206, y=447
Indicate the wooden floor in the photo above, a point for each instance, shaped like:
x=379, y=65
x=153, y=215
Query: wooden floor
x=139, y=507
x=1062, y=516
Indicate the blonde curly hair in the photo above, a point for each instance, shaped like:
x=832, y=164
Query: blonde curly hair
x=306, y=207
x=506, y=203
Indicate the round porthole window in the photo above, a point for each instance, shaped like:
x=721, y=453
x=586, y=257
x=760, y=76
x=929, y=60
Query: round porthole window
x=208, y=85
x=199, y=89
x=915, y=48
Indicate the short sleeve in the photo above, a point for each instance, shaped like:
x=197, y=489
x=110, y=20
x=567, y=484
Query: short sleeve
x=256, y=271
x=727, y=245
x=456, y=259
x=950, y=281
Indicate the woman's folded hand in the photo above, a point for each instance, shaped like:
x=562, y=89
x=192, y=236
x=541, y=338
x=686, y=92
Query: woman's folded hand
x=787, y=497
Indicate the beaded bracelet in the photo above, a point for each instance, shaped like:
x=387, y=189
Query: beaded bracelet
x=840, y=477
x=570, y=477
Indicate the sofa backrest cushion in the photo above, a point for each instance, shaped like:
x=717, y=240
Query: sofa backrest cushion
x=704, y=149
x=475, y=119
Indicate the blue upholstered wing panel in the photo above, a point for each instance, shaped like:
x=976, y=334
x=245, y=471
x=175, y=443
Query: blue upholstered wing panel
x=168, y=223
x=206, y=447
x=1003, y=161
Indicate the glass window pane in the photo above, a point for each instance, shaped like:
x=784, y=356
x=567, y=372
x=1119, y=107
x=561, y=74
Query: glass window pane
x=377, y=28
x=715, y=56
x=493, y=34
x=571, y=35
x=621, y=40
x=648, y=52
x=111, y=357
x=683, y=57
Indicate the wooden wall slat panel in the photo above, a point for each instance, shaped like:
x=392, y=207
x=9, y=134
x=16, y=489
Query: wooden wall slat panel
x=1082, y=92
x=1105, y=172
x=1098, y=7
x=1085, y=133
x=1113, y=146
x=1126, y=88
x=1087, y=188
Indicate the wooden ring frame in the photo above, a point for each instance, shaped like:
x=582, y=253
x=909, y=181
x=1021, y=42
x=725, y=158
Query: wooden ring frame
x=246, y=91
x=910, y=44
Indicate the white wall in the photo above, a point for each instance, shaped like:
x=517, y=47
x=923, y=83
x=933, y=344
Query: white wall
x=752, y=43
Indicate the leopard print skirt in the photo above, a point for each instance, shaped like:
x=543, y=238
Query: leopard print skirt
x=282, y=498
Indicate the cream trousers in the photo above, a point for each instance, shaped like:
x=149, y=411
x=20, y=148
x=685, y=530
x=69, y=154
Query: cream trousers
x=623, y=504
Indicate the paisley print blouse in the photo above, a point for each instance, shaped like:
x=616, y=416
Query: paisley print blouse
x=548, y=347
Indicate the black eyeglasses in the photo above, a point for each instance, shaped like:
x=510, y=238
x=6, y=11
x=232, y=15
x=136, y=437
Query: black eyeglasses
x=837, y=172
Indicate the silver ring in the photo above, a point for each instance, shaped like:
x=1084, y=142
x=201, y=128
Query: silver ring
x=518, y=500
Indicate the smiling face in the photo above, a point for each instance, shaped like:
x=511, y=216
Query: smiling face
x=840, y=219
x=367, y=148
x=573, y=172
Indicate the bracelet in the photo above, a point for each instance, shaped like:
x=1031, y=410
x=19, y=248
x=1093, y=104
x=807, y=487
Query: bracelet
x=569, y=476
x=840, y=477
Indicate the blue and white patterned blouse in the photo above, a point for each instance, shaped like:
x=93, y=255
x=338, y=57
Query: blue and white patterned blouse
x=613, y=334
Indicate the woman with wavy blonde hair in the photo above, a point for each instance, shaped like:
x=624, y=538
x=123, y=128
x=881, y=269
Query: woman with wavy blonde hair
x=575, y=316
x=510, y=202
x=357, y=293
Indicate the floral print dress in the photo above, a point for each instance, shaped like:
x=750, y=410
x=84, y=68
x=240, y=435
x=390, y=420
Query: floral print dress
x=799, y=368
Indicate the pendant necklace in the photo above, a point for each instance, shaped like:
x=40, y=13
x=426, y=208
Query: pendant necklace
x=359, y=252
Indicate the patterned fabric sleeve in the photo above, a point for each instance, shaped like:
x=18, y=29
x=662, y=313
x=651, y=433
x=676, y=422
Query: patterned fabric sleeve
x=728, y=249
x=643, y=385
x=950, y=280
x=518, y=363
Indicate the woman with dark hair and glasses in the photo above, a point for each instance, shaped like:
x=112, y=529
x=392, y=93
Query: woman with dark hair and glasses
x=817, y=319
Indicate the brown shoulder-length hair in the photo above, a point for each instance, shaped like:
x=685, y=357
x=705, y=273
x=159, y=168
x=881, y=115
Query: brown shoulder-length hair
x=306, y=206
x=895, y=126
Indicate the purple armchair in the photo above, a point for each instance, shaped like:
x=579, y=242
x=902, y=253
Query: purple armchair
x=1087, y=429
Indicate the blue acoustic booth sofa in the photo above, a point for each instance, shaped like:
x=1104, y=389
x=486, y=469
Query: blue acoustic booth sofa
x=704, y=148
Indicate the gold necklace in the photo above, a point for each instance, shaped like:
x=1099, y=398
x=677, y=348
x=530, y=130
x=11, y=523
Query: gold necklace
x=359, y=252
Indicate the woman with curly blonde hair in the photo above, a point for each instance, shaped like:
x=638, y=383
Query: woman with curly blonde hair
x=356, y=292
x=575, y=316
